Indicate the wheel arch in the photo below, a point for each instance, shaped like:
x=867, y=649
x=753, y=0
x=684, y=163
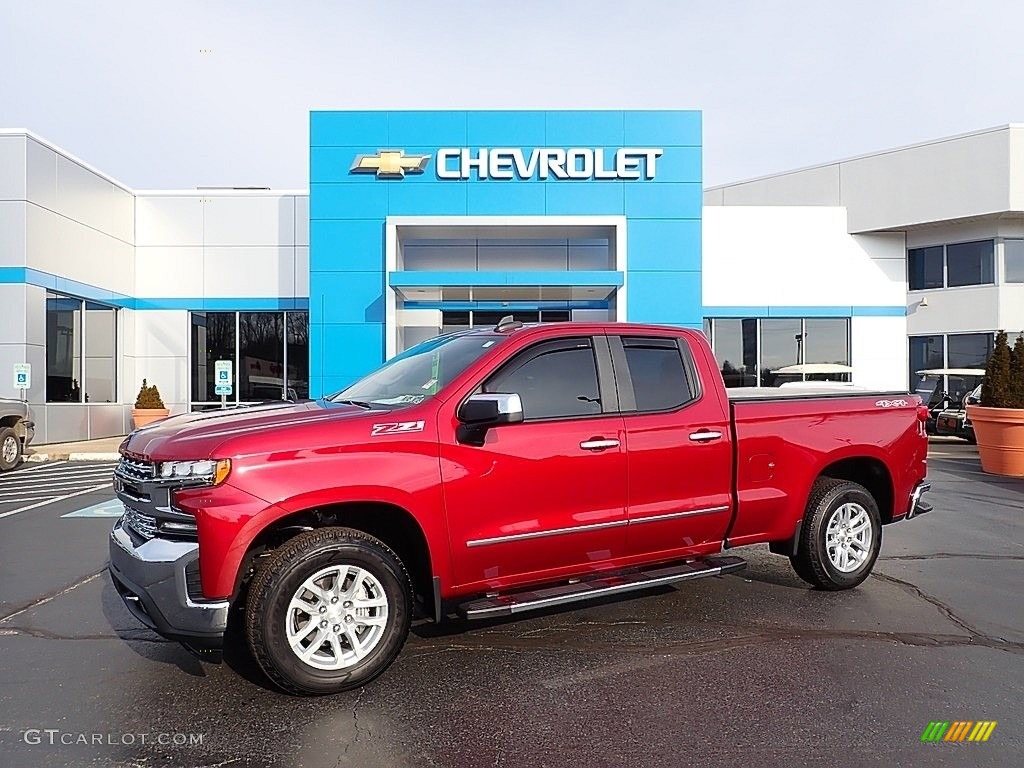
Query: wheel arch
x=392, y=524
x=870, y=472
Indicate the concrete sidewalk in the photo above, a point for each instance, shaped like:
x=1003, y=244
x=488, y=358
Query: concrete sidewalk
x=103, y=449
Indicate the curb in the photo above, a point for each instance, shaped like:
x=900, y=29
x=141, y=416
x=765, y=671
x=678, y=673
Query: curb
x=41, y=457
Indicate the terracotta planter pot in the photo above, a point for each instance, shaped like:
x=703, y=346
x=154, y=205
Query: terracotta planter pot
x=144, y=416
x=1000, y=433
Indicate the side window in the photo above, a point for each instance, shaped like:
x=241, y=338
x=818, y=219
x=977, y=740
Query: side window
x=554, y=379
x=660, y=379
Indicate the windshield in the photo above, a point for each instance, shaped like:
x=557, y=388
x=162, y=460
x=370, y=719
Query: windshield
x=419, y=372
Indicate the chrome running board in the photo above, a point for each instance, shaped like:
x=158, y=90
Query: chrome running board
x=602, y=586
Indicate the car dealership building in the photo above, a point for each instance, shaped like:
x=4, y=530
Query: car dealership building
x=418, y=223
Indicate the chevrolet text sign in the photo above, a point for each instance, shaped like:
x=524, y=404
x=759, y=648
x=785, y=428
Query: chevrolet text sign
x=542, y=163
x=514, y=163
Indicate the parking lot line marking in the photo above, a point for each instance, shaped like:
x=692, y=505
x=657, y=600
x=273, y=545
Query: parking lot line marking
x=55, y=483
x=43, y=465
x=49, y=478
x=51, y=501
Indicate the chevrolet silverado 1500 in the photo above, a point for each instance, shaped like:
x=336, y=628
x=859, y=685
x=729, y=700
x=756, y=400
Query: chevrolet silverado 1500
x=493, y=471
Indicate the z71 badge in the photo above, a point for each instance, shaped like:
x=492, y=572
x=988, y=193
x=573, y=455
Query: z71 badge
x=396, y=426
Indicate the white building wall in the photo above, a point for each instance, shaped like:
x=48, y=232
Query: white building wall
x=974, y=174
x=797, y=257
x=209, y=244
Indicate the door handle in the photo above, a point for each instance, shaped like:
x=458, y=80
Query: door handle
x=598, y=444
x=704, y=435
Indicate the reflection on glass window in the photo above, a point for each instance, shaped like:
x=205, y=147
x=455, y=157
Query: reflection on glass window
x=736, y=351
x=63, y=349
x=81, y=347
x=100, y=357
x=213, y=339
x=924, y=267
x=298, y=355
x=790, y=349
x=1013, y=256
x=781, y=349
x=970, y=263
x=260, y=356
x=967, y=351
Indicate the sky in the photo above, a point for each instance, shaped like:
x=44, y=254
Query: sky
x=189, y=93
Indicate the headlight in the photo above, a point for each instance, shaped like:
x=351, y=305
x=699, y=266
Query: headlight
x=214, y=472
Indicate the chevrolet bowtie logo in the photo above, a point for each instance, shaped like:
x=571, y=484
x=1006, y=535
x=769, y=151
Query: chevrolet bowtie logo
x=390, y=164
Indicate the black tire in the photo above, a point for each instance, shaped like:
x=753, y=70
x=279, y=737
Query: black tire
x=281, y=576
x=6, y=436
x=812, y=562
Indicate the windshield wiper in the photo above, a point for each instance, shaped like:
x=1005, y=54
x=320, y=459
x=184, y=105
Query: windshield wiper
x=360, y=403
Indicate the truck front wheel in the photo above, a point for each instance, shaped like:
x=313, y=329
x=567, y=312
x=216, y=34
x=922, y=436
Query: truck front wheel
x=329, y=611
x=840, y=536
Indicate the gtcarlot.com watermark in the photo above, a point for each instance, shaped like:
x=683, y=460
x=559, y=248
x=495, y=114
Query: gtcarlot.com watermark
x=54, y=737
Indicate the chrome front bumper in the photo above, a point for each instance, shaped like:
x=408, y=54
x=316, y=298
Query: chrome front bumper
x=151, y=579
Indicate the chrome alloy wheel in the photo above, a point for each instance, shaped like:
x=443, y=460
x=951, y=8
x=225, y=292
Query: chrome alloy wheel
x=848, y=537
x=10, y=449
x=337, y=617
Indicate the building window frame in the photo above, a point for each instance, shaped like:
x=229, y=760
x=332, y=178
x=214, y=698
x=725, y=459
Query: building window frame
x=235, y=398
x=996, y=259
x=82, y=346
x=712, y=335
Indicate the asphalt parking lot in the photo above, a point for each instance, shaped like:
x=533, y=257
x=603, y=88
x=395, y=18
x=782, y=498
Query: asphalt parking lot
x=753, y=667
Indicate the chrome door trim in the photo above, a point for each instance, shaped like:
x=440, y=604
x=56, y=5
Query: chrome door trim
x=674, y=515
x=541, y=534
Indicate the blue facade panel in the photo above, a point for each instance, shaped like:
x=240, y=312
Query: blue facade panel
x=348, y=211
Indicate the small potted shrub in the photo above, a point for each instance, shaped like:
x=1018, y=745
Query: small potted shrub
x=999, y=419
x=148, y=406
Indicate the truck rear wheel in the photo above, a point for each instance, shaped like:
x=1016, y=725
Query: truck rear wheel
x=328, y=612
x=840, y=536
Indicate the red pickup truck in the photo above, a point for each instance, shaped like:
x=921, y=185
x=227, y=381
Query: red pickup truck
x=493, y=471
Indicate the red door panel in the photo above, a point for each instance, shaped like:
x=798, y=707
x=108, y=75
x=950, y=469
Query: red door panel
x=679, y=454
x=531, y=501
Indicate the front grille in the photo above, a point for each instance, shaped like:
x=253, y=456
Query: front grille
x=130, y=469
x=142, y=524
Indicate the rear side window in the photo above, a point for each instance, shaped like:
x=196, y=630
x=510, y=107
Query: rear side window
x=659, y=376
x=554, y=379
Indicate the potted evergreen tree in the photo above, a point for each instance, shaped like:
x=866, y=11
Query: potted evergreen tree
x=149, y=407
x=999, y=420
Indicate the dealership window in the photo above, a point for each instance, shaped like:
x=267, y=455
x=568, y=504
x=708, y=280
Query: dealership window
x=1013, y=258
x=735, y=345
x=938, y=352
x=269, y=352
x=970, y=263
x=773, y=351
x=951, y=266
x=925, y=266
x=81, y=350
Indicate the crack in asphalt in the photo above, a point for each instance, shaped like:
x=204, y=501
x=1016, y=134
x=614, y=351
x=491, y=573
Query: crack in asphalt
x=45, y=634
x=355, y=724
x=944, y=609
x=51, y=596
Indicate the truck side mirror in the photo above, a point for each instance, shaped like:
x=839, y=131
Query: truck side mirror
x=485, y=410
x=488, y=409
